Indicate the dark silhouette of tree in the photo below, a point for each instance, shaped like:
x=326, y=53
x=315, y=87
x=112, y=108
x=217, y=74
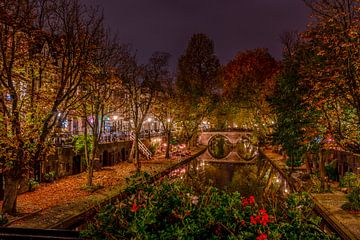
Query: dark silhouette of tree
x=293, y=120
x=198, y=68
x=197, y=82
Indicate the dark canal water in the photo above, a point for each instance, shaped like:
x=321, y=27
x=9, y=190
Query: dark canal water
x=257, y=177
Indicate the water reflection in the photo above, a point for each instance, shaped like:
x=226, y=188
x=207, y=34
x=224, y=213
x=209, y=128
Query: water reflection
x=219, y=146
x=246, y=149
x=260, y=179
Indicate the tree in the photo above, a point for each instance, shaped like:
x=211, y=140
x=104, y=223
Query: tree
x=198, y=68
x=100, y=99
x=333, y=73
x=164, y=109
x=141, y=85
x=45, y=47
x=248, y=80
x=197, y=83
x=293, y=126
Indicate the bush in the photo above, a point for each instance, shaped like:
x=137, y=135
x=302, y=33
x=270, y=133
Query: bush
x=349, y=180
x=294, y=163
x=331, y=170
x=50, y=176
x=33, y=184
x=354, y=200
x=172, y=210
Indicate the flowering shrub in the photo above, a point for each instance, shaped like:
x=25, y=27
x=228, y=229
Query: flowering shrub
x=172, y=210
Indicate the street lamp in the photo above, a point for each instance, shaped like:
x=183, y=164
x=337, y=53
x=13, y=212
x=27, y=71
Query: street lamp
x=149, y=123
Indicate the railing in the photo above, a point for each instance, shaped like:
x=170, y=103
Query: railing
x=142, y=147
x=65, y=140
x=226, y=130
x=30, y=233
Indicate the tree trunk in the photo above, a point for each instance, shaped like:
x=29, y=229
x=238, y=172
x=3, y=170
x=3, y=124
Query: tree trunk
x=90, y=172
x=92, y=159
x=322, y=171
x=10, y=193
x=87, y=157
x=136, y=149
x=308, y=161
x=167, y=154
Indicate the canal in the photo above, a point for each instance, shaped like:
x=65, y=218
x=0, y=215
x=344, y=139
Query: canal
x=256, y=177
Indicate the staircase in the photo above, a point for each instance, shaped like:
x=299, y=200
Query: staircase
x=143, y=149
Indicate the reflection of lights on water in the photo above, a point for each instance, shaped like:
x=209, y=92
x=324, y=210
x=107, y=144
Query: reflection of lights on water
x=286, y=190
x=178, y=172
x=277, y=179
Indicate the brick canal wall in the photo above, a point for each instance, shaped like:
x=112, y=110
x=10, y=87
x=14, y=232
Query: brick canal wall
x=68, y=162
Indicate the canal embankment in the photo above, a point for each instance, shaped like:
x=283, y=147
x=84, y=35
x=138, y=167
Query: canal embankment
x=328, y=205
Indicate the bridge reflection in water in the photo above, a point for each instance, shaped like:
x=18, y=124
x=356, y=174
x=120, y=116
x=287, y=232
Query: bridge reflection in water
x=220, y=147
x=256, y=177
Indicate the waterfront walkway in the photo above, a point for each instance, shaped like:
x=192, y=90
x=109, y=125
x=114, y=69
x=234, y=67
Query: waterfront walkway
x=329, y=203
x=52, y=203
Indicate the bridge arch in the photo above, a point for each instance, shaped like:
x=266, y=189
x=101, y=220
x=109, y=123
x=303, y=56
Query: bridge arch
x=234, y=145
x=246, y=149
x=219, y=146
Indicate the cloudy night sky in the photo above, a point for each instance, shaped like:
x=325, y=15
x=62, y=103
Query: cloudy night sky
x=234, y=25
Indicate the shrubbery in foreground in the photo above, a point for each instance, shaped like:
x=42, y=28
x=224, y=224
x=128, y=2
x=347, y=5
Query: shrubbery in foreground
x=172, y=210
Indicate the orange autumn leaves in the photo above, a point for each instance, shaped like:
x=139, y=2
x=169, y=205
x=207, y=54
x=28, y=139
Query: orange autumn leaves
x=250, y=74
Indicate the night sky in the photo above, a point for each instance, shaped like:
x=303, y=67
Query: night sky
x=234, y=25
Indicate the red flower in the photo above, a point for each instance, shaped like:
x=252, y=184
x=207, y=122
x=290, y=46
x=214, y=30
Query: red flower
x=252, y=220
x=248, y=201
x=262, y=211
x=262, y=236
x=251, y=199
x=243, y=222
x=134, y=208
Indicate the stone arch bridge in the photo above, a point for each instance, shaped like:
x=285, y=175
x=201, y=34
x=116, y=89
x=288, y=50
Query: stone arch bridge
x=233, y=136
x=235, y=146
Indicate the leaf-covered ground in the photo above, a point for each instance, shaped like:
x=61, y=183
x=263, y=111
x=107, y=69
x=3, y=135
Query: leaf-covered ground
x=51, y=202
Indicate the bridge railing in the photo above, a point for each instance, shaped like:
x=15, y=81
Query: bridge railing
x=227, y=130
